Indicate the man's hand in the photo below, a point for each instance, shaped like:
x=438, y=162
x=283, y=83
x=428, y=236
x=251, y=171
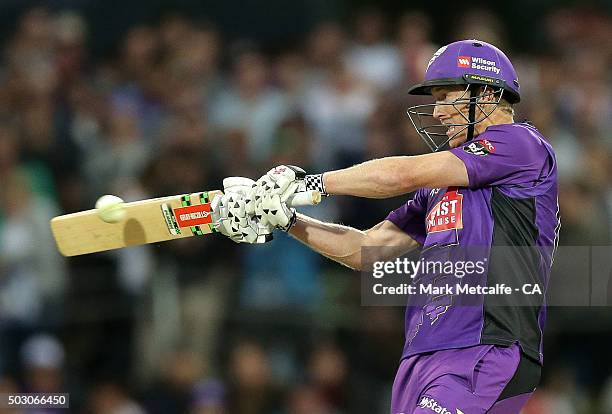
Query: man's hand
x=230, y=216
x=274, y=212
x=283, y=181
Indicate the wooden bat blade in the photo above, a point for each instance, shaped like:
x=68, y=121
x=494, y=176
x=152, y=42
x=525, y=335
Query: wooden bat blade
x=147, y=221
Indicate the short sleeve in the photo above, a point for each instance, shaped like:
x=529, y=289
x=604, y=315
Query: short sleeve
x=510, y=155
x=411, y=216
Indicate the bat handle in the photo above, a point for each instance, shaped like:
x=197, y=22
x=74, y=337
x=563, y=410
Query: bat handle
x=304, y=198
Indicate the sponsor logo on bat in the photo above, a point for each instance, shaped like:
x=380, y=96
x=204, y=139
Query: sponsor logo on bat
x=195, y=215
x=170, y=220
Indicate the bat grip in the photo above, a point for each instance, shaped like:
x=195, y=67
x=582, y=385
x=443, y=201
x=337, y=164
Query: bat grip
x=301, y=198
x=304, y=198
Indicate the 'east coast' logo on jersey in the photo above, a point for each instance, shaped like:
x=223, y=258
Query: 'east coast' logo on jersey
x=447, y=214
x=482, y=147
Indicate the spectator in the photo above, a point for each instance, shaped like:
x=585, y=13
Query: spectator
x=306, y=400
x=337, y=110
x=172, y=392
x=251, y=104
x=111, y=398
x=372, y=59
x=209, y=398
x=43, y=359
x=251, y=391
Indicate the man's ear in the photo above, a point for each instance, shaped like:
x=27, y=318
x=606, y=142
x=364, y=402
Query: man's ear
x=488, y=95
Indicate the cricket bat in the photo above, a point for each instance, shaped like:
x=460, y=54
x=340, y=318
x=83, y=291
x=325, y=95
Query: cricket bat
x=147, y=221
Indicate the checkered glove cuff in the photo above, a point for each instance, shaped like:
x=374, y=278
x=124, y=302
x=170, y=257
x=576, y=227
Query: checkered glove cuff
x=315, y=182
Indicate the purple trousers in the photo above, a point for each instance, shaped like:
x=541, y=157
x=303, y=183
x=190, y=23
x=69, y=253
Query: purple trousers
x=481, y=379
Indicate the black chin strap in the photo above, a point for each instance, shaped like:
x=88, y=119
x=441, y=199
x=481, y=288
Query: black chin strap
x=472, y=111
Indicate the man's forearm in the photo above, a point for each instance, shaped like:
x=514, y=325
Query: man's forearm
x=393, y=176
x=380, y=178
x=339, y=243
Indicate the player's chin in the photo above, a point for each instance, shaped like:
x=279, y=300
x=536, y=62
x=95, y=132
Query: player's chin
x=457, y=140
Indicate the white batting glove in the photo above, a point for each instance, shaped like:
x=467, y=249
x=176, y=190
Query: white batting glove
x=231, y=220
x=283, y=180
x=221, y=219
x=230, y=217
x=274, y=212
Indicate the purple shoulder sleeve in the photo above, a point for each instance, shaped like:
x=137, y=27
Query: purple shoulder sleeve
x=410, y=217
x=510, y=154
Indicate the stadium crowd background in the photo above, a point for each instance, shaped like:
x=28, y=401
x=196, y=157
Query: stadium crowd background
x=207, y=326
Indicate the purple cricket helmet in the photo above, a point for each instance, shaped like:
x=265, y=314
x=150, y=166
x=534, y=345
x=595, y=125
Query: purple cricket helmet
x=472, y=63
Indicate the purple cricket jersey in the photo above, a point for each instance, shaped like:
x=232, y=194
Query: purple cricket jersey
x=511, y=201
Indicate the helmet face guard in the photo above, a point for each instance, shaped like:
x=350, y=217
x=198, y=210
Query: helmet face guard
x=435, y=134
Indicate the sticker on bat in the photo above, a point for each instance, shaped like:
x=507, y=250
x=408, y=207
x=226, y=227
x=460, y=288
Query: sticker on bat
x=171, y=223
x=193, y=215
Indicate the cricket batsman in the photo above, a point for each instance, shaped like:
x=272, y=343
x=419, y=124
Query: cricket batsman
x=490, y=182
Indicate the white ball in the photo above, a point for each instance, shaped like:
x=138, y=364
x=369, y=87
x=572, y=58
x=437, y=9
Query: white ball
x=110, y=208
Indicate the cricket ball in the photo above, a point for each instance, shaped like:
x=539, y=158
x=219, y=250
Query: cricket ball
x=110, y=208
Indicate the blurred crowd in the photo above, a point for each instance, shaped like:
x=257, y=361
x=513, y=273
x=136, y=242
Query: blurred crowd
x=205, y=326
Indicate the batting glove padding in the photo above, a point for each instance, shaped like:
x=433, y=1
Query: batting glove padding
x=275, y=212
x=283, y=180
x=231, y=220
x=230, y=216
